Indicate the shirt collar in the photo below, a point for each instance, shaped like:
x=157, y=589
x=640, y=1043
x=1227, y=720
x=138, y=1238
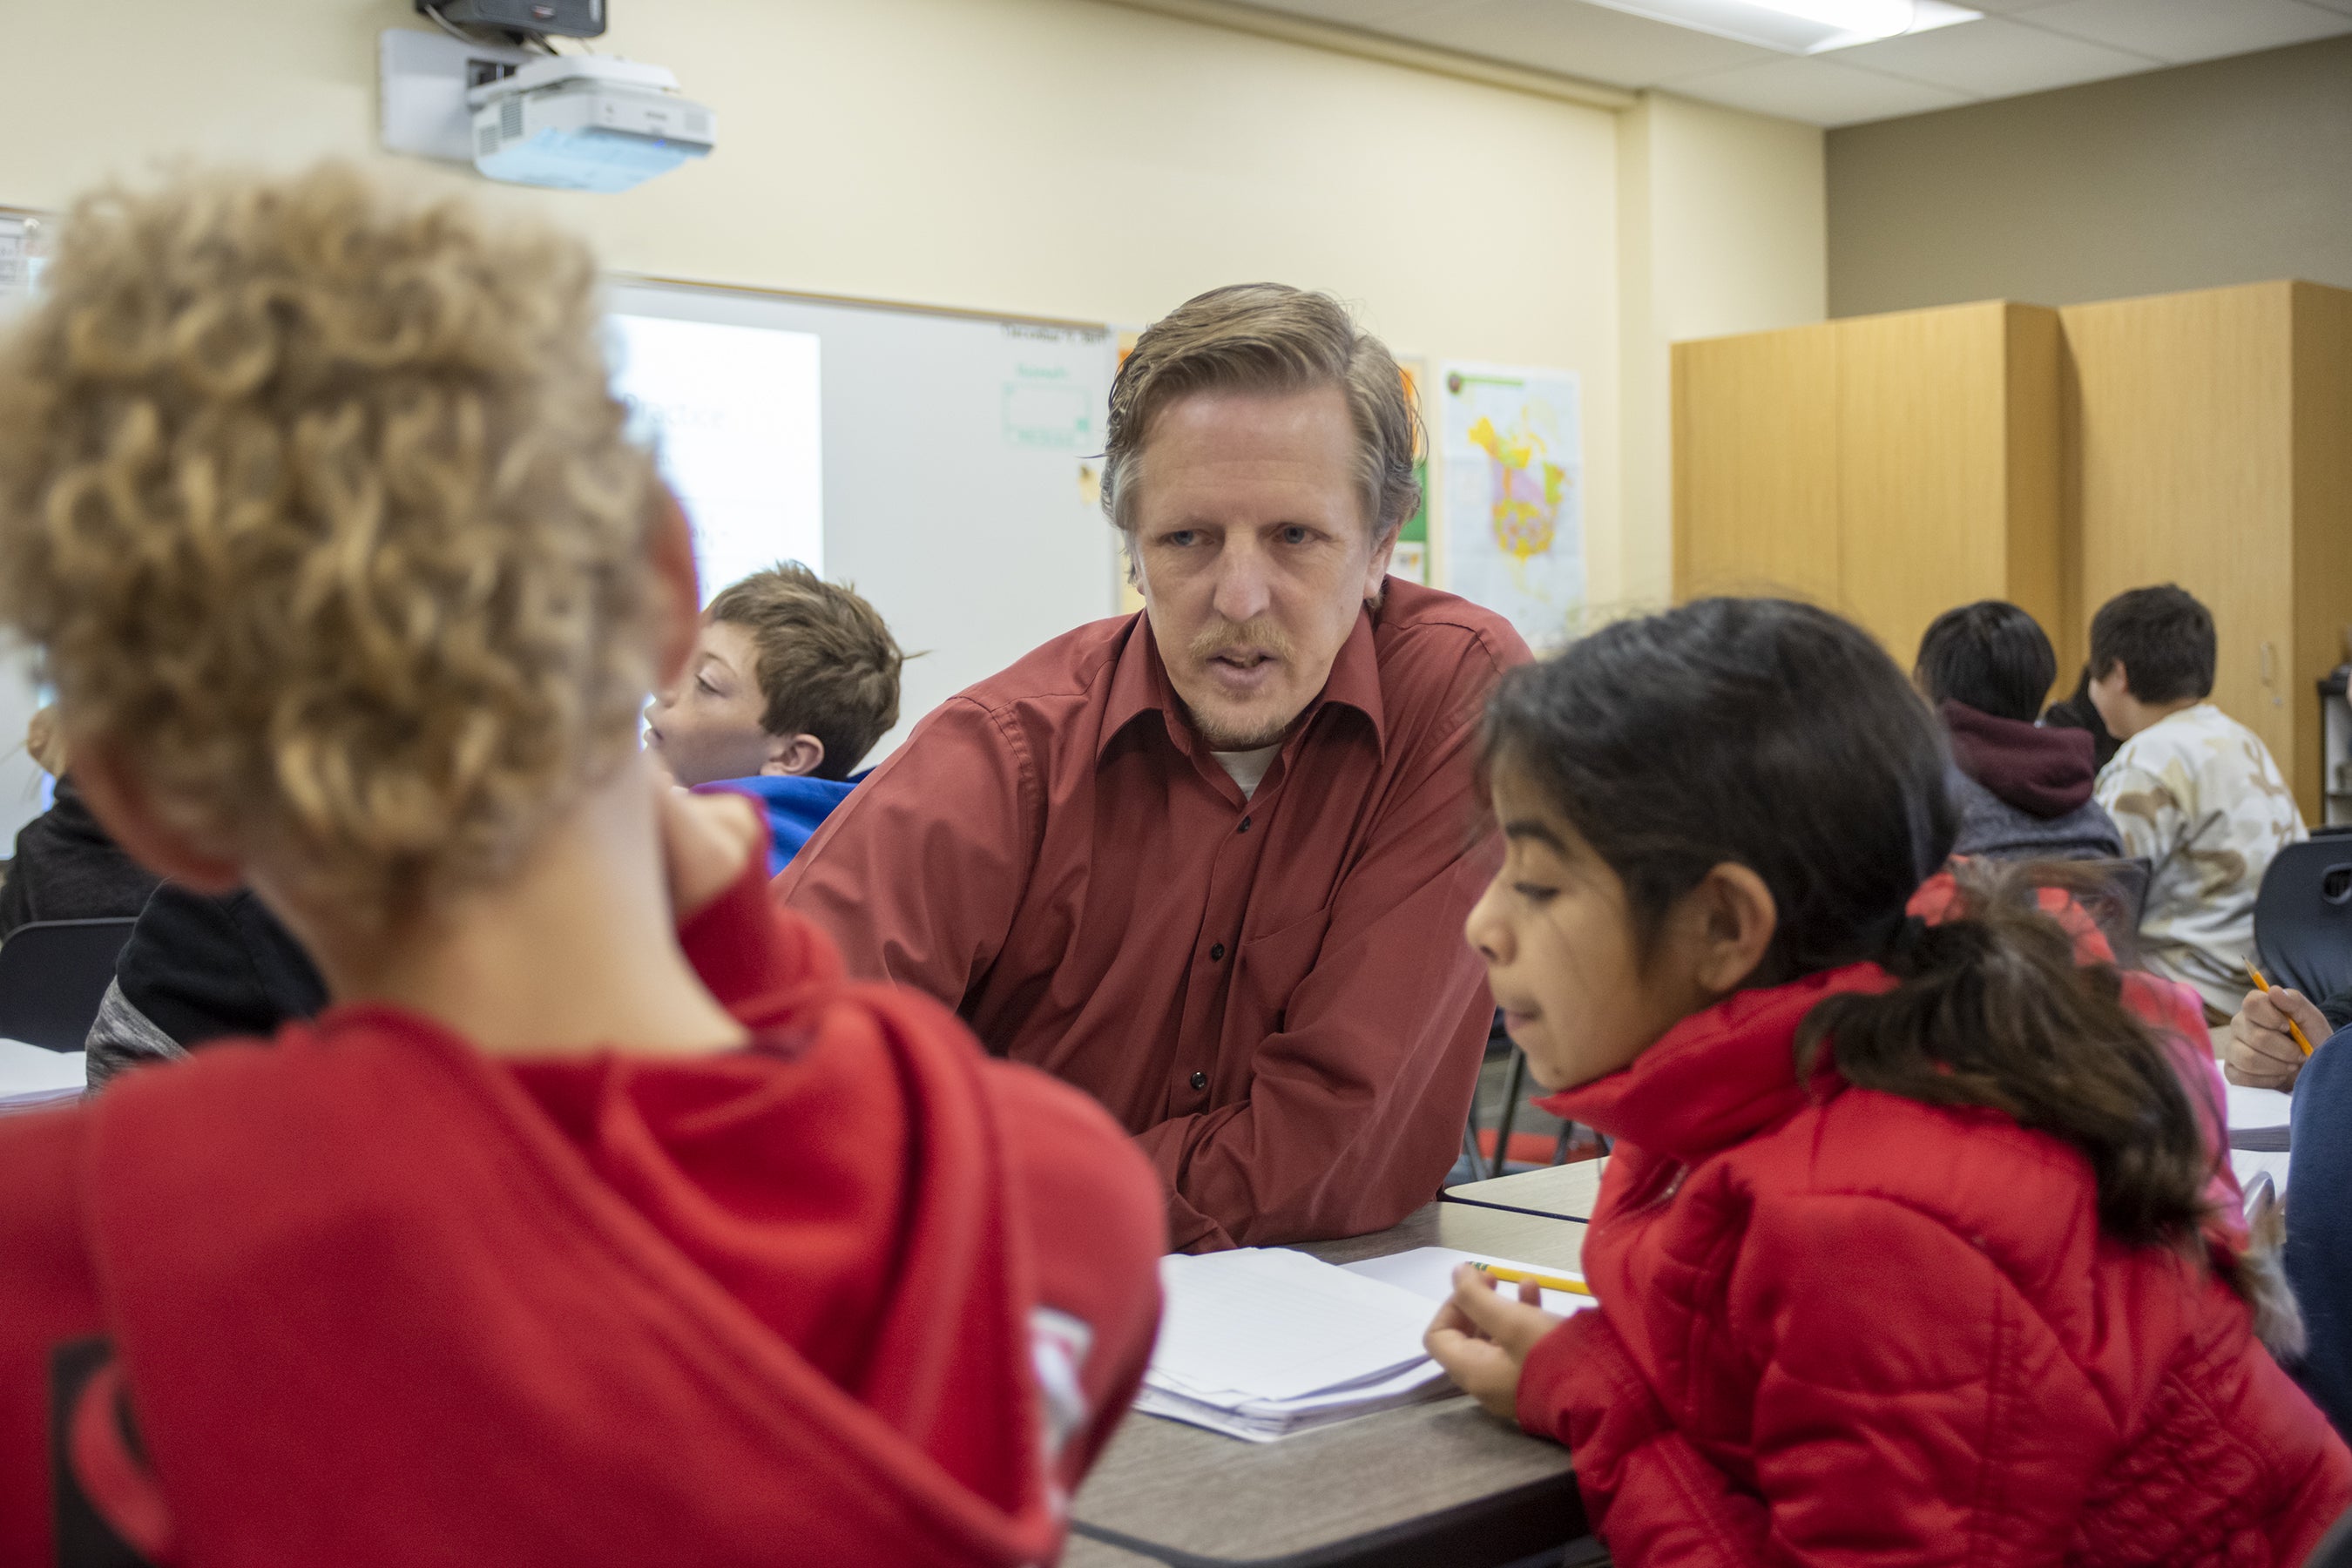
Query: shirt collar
x=1139, y=685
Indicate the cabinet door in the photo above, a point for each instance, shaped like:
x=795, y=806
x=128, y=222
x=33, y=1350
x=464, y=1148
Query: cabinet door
x=2180, y=422
x=1755, y=471
x=1922, y=430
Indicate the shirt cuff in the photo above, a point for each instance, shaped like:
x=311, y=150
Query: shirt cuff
x=733, y=941
x=1577, y=1379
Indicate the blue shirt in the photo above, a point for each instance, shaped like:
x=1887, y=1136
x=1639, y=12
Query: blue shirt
x=796, y=806
x=2319, y=1224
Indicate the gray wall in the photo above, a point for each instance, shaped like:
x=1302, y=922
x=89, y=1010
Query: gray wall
x=2230, y=172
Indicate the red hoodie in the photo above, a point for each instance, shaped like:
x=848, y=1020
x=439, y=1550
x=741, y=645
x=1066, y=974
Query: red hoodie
x=1840, y=1326
x=853, y=1295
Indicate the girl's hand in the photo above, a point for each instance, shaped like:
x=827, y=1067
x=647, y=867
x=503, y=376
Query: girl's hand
x=706, y=839
x=1482, y=1337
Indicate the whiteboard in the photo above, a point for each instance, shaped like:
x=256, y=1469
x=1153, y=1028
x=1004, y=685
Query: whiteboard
x=20, y=778
x=734, y=413
x=959, y=459
x=956, y=460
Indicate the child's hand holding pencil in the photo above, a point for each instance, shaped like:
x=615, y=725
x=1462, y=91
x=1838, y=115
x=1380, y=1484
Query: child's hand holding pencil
x=1482, y=1336
x=2272, y=1036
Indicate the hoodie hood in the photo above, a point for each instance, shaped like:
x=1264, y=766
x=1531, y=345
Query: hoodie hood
x=727, y=1309
x=2043, y=773
x=796, y=806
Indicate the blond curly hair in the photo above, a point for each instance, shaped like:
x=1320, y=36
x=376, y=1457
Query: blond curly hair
x=315, y=498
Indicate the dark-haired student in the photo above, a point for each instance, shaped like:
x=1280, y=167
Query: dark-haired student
x=2194, y=792
x=1917, y=1245
x=200, y=967
x=65, y=868
x=2075, y=711
x=2024, y=792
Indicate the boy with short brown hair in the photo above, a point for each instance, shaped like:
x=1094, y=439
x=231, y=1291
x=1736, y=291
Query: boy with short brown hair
x=793, y=681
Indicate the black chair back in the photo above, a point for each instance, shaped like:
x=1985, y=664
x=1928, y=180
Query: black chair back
x=53, y=975
x=2303, y=918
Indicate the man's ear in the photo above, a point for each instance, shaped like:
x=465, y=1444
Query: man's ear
x=1736, y=919
x=794, y=755
x=670, y=549
x=120, y=799
x=1376, y=571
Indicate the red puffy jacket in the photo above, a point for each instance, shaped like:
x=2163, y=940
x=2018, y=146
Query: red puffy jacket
x=1841, y=1326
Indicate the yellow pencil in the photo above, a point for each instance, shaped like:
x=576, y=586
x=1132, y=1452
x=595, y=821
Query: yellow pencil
x=1521, y=1275
x=2292, y=1027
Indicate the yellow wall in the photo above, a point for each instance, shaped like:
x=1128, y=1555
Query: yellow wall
x=1721, y=230
x=1052, y=157
x=1058, y=157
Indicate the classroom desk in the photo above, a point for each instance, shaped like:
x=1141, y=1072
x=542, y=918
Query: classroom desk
x=1558, y=1191
x=1439, y=1482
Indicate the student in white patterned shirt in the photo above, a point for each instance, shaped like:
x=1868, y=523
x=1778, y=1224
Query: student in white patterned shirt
x=2194, y=792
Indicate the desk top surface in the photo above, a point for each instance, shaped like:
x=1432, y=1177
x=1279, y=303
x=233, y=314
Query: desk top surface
x=1564, y=1192
x=1183, y=1494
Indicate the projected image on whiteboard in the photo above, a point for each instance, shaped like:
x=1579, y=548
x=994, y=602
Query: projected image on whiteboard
x=733, y=411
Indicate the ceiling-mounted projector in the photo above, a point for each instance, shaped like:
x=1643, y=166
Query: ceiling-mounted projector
x=586, y=123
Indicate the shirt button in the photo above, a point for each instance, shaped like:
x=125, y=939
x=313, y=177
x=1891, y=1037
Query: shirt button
x=1200, y=1081
x=1245, y=826
x=1216, y=951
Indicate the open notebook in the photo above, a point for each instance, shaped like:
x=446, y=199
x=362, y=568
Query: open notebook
x=1261, y=1343
x=31, y=1077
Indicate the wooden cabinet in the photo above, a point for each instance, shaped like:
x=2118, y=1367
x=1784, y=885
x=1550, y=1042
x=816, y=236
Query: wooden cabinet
x=1888, y=467
x=2208, y=437
x=1893, y=467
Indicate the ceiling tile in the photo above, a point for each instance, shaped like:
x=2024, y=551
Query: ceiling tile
x=1818, y=91
x=2179, y=31
x=1995, y=58
x=1580, y=40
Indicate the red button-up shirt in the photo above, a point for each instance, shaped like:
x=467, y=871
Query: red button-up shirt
x=1273, y=994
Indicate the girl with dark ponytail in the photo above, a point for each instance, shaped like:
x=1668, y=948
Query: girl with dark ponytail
x=1917, y=1244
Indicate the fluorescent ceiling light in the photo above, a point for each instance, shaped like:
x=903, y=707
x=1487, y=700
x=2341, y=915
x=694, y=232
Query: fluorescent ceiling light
x=1800, y=26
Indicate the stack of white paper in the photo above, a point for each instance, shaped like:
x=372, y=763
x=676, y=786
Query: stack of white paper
x=31, y=1077
x=2252, y=1110
x=1262, y=1342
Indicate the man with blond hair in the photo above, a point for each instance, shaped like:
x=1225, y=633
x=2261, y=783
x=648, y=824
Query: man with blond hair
x=1210, y=862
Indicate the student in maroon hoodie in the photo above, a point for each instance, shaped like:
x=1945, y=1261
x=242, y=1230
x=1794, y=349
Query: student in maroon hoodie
x=2024, y=792
x=598, y=1220
x=1919, y=1245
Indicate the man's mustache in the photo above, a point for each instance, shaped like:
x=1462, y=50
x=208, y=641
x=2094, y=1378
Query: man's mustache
x=1258, y=636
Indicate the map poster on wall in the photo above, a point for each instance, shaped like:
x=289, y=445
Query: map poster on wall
x=1410, y=560
x=1514, y=463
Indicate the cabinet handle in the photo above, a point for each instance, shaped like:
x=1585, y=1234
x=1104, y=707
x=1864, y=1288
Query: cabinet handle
x=2270, y=664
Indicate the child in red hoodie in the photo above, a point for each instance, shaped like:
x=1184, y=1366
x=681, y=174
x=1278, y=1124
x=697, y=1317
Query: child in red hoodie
x=598, y=1220
x=1917, y=1245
